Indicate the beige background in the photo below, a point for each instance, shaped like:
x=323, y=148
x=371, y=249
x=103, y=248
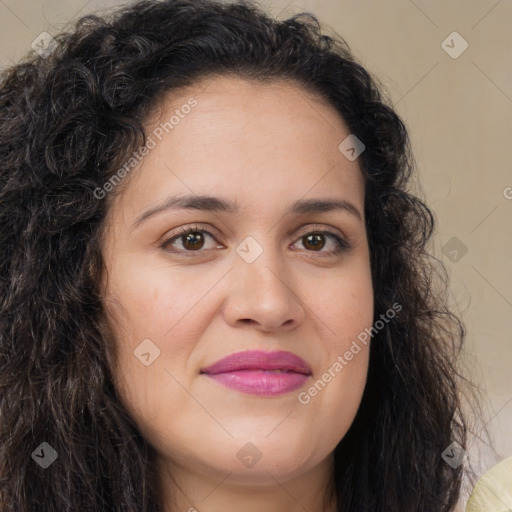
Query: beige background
x=459, y=114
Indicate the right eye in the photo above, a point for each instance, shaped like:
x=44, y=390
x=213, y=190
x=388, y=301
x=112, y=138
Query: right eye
x=192, y=239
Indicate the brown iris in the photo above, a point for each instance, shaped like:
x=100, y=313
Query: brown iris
x=314, y=239
x=195, y=239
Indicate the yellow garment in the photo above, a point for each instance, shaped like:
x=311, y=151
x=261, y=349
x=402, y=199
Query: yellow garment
x=493, y=491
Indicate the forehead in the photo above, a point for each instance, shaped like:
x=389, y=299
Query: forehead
x=246, y=139
x=254, y=103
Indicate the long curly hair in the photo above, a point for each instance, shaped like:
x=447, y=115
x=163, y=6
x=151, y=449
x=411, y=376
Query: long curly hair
x=67, y=121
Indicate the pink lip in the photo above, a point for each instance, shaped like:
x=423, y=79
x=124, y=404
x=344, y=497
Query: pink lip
x=255, y=372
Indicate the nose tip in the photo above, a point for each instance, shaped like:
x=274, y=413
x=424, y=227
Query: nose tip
x=262, y=298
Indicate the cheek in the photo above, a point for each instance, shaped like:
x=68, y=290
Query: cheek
x=345, y=309
x=142, y=307
x=150, y=301
x=159, y=311
x=334, y=394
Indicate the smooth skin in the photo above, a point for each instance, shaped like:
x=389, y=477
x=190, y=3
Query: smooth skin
x=262, y=146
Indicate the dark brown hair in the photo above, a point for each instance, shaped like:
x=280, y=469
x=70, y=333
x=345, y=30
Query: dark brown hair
x=66, y=122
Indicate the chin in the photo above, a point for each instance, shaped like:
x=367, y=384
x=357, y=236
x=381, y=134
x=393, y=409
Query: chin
x=259, y=460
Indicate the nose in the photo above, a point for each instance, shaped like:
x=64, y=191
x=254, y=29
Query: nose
x=262, y=295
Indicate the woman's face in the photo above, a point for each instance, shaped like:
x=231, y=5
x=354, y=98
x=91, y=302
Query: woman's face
x=254, y=277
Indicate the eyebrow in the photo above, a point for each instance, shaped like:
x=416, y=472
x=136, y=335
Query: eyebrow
x=217, y=204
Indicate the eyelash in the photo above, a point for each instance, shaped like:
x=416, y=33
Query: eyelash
x=341, y=243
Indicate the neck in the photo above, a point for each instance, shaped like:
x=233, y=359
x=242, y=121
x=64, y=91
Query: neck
x=205, y=490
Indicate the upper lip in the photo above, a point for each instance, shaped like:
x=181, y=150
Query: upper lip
x=259, y=360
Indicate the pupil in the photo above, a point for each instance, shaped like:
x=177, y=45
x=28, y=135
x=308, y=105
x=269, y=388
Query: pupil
x=190, y=239
x=315, y=244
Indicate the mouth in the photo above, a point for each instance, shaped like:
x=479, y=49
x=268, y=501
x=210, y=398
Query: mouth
x=260, y=373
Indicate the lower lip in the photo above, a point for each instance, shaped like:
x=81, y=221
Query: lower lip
x=261, y=382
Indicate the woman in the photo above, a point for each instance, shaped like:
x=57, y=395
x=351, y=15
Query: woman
x=216, y=293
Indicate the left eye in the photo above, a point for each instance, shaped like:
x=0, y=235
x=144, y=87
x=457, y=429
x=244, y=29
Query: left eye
x=193, y=240
x=314, y=239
